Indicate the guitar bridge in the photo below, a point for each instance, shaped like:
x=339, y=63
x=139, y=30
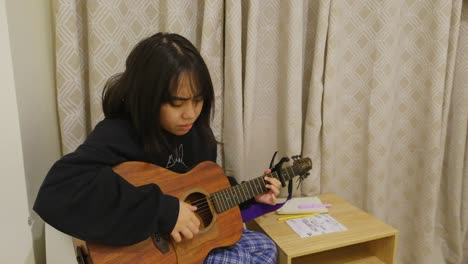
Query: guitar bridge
x=160, y=243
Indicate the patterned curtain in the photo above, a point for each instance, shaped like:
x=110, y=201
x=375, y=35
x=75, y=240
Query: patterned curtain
x=395, y=119
x=375, y=92
x=94, y=38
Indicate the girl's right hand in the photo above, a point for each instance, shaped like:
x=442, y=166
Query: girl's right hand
x=187, y=224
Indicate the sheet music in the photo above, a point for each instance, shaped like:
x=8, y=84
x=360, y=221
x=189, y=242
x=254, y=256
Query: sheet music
x=315, y=225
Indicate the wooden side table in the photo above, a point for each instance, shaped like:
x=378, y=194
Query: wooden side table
x=367, y=240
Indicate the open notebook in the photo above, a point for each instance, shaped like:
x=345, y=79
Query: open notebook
x=302, y=205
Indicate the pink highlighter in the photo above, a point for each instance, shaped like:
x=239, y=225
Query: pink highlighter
x=309, y=206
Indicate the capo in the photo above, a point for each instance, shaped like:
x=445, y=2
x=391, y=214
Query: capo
x=278, y=167
x=278, y=170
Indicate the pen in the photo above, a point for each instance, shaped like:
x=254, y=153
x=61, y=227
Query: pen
x=296, y=216
x=306, y=206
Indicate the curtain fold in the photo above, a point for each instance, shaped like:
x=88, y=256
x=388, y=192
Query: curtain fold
x=374, y=92
x=212, y=50
x=71, y=72
x=388, y=84
x=452, y=211
x=233, y=119
x=274, y=60
x=317, y=23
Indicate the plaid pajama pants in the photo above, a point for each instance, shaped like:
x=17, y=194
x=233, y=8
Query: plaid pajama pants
x=252, y=248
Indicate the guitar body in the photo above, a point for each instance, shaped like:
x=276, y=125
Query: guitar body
x=216, y=230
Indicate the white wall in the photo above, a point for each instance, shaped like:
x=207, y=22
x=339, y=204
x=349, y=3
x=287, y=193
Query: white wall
x=30, y=26
x=16, y=242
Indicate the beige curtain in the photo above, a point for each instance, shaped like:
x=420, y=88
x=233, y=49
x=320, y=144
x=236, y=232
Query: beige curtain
x=94, y=38
x=390, y=138
x=375, y=92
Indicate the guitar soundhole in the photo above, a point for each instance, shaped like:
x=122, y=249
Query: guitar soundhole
x=203, y=213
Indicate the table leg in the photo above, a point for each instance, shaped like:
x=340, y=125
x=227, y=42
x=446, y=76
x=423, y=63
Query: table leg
x=283, y=258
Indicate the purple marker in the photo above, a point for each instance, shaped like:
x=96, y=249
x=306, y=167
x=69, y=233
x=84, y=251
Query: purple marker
x=310, y=206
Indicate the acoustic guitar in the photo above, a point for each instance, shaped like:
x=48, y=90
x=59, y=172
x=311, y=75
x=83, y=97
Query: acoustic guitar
x=205, y=186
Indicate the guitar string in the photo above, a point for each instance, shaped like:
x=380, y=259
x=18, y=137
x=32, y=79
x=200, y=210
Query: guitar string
x=196, y=202
x=202, y=203
x=241, y=186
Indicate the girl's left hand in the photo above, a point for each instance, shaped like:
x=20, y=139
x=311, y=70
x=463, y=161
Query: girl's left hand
x=269, y=197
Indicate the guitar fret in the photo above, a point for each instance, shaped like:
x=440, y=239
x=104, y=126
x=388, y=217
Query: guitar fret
x=262, y=185
x=223, y=206
x=249, y=189
x=259, y=184
x=227, y=200
x=275, y=175
x=217, y=202
x=233, y=197
x=244, y=197
x=246, y=189
x=230, y=197
x=223, y=202
x=227, y=196
x=213, y=201
x=256, y=186
x=236, y=196
x=239, y=195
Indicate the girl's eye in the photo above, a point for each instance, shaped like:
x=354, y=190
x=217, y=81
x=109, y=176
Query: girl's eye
x=175, y=104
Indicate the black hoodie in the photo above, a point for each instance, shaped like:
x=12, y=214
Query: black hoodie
x=83, y=197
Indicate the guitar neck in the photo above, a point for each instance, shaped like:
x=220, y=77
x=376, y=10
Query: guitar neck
x=230, y=197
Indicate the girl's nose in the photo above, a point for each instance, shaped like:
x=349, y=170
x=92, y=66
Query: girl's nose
x=189, y=111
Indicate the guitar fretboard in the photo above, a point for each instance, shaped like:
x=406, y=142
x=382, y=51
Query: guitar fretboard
x=228, y=198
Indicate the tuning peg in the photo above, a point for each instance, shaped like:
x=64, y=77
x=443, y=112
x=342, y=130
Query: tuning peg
x=296, y=157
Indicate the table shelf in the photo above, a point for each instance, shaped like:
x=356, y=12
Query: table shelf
x=354, y=254
x=367, y=240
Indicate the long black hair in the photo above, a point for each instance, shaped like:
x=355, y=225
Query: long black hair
x=150, y=79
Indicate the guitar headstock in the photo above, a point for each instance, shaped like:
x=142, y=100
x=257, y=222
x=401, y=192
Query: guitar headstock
x=301, y=166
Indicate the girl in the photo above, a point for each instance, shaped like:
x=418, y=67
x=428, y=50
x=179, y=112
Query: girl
x=157, y=111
